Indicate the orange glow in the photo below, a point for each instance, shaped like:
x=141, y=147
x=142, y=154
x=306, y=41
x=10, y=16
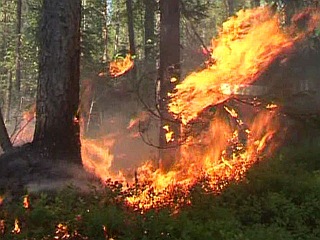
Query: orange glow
x=97, y=159
x=25, y=132
x=169, y=133
x=2, y=226
x=232, y=112
x=26, y=202
x=30, y=113
x=16, y=229
x=120, y=66
x=271, y=106
x=62, y=231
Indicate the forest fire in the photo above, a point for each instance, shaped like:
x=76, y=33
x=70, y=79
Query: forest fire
x=189, y=137
x=246, y=46
x=97, y=158
x=237, y=135
x=120, y=66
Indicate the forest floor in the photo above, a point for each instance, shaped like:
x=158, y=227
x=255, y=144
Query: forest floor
x=279, y=198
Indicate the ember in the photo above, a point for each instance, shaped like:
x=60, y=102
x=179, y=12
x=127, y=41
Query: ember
x=26, y=202
x=62, y=232
x=2, y=226
x=16, y=229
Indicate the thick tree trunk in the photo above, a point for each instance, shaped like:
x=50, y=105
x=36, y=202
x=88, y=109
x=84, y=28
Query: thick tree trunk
x=57, y=126
x=169, y=74
x=18, y=48
x=5, y=142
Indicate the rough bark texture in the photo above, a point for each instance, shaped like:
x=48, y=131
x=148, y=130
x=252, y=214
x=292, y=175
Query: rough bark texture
x=57, y=127
x=5, y=142
x=169, y=69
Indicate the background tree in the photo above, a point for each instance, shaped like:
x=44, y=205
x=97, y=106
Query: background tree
x=57, y=125
x=5, y=142
x=230, y=4
x=18, y=58
x=149, y=31
x=18, y=47
x=7, y=54
x=131, y=27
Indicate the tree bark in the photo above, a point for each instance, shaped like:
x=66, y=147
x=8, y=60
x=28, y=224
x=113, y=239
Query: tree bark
x=57, y=124
x=5, y=142
x=169, y=74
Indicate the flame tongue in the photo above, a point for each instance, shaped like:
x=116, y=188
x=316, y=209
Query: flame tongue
x=120, y=66
x=246, y=46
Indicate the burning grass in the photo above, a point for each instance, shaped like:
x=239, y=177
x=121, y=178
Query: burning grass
x=279, y=199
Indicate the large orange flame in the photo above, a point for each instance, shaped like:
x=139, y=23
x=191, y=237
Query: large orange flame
x=97, y=159
x=245, y=47
x=238, y=135
x=120, y=66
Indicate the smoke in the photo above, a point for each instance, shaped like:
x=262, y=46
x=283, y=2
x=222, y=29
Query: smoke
x=112, y=145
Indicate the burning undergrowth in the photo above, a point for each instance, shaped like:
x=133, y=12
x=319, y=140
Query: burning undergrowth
x=227, y=127
x=227, y=123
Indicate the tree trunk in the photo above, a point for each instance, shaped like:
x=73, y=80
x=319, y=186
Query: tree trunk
x=5, y=142
x=133, y=72
x=57, y=124
x=7, y=106
x=5, y=58
x=18, y=48
x=131, y=27
x=230, y=7
x=105, y=32
x=149, y=26
x=169, y=74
